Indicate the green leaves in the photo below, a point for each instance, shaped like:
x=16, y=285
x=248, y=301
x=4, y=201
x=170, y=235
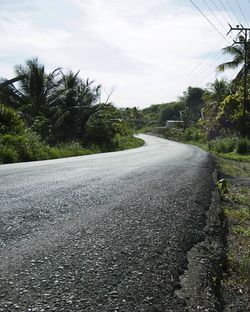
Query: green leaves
x=223, y=186
x=10, y=121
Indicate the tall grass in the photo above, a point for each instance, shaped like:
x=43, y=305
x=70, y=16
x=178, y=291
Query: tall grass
x=29, y=146
x=126, y=142
x=229, y=145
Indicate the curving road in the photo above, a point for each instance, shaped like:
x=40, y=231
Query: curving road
x=106, y=232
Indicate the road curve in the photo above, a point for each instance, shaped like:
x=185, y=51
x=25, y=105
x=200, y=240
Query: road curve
x=106, y=232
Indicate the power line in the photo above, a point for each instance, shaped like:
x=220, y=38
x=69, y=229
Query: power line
x=212, y=24
x=203, y=63
x=197, y=77
x=226, y=10
x=197, y=68
x=208, y=67
x=242, y=12
x=204, y=66
x=233, y=10
x=220, y=14
x=219, y=11
x=218, y=20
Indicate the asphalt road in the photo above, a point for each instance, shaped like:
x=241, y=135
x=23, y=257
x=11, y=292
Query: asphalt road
x=106, y=232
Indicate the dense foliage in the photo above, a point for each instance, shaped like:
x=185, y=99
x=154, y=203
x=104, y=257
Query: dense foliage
x=48, y=115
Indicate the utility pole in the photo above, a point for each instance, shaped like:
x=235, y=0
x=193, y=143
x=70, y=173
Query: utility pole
x=245, y=31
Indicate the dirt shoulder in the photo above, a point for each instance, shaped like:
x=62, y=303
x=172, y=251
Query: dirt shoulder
x=236, y=206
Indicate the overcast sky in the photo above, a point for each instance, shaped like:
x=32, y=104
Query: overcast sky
x=148, y=51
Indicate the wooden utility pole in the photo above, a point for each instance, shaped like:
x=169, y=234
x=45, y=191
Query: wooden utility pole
x=244, y=31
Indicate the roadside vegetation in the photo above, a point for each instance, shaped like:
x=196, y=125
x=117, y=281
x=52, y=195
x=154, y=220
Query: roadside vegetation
x=56, y=114
x=236, y=205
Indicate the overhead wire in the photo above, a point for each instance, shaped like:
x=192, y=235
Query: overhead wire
x=205, y=67
x=212, y=24
x=205, y=76
x=233, y=10
x=209, y=66
x=216, y=17
x=226, y=11
x=242, y=13
x=197, y=76
x=197, y=67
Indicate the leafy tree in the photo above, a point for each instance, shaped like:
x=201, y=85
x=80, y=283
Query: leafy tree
x=10, y=121
x=151, y=114
x=172, y=111
x=193, y=101
x=134, y=117
x=230, y=114
x=8, y=93
x=104, y=125
x=213, y=96
x=239, y=52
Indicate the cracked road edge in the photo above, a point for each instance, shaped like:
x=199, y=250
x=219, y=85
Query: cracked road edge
x=200, y=283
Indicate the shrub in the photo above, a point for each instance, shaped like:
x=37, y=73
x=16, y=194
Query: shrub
x=28, y=146
x=124, y=142
x=8, y=155
x=225, y=145
x=194, y=134
x=10, y=122
x=243, y=146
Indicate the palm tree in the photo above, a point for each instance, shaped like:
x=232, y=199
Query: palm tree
x=79, y=102
x=238, y=54
x=213, y=96
x=241, y=56
x=55, y=105
x=217, y=91
x=37, y=91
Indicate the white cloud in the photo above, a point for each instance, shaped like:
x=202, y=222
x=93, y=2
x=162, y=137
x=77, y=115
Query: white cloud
x=143, y=47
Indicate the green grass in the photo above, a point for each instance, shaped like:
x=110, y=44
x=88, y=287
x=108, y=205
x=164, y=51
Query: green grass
x=241, y=230
x=234, y=168
x=127, y=142
x=236, y=204
x=238, y=215
x=29, y=147
x=234, y=156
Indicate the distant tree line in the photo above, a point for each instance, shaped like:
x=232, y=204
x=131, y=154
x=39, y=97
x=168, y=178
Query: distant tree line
x=218, y=110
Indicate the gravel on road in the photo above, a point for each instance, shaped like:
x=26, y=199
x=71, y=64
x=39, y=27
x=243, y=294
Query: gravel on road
x=106, y=232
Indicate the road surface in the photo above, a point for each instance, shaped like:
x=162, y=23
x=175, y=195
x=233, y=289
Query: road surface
x=106, y=232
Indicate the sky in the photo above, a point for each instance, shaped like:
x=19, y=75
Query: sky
x=143, y=51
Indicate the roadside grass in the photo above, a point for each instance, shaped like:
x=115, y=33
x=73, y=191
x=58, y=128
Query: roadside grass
x=127, y=142
x=233, y=156
x=234, y=168
x=236, y=205
x=30, y=147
